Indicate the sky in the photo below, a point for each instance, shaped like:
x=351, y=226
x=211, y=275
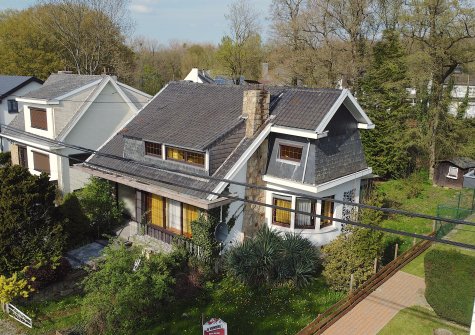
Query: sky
x=175, y=20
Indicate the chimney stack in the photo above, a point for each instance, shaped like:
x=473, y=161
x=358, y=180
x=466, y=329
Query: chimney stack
x=255, y=107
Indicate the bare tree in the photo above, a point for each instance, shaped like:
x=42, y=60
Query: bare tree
x=91, y=32
x=240, y=50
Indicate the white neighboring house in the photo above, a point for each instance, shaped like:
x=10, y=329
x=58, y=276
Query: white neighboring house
x=199, y=76
x=463, y=83
x=10, y=88
x=83, y=110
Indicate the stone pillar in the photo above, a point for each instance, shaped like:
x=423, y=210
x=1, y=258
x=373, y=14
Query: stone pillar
x=14, y=154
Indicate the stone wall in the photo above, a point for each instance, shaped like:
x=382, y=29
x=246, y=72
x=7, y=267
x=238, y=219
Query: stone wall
x=254, y=215
x=256, y=107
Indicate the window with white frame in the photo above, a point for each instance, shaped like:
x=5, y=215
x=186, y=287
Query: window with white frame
x=453, y=172
x=303, y=221
x=12, y=106
x=281, y=216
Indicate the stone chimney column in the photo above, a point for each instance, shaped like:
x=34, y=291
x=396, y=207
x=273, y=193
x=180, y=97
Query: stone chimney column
x=255, y=107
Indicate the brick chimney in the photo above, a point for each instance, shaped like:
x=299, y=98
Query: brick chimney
x=255, y=107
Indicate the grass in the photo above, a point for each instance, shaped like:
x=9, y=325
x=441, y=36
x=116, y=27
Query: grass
x=418, y=320
x=275, y=311
x=464, y=234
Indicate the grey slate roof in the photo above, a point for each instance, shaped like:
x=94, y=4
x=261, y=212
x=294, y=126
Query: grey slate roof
x=9, y=84
x=461, y=162
x=302, y=108
x=59, y=84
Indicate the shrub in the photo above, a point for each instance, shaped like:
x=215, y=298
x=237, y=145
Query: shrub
x=119, y=300
x=76, y=224
x=203, y=230
x=271, y=258
x=5, y=158
x=100, y=206
x=12, y=287
x=450, y=284
x=46, y=273
x=354, y=250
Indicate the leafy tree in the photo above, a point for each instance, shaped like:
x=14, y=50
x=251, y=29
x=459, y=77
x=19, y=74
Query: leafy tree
x=100, y=206
x=270, y=258
x=30, y=229
x=203, y=230
x=384, y=99
x=354, y=251
x=119, y=300
x=25, y=48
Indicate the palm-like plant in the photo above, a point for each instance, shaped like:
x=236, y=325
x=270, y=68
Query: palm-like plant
x=270, y=258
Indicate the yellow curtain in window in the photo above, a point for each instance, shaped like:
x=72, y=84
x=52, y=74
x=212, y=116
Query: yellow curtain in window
x=281, y=215
x=175, y=154
x=156, y=208
x=190, y=213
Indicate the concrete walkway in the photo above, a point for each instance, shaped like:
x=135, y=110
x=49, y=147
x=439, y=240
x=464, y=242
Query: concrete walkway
x=375, y=311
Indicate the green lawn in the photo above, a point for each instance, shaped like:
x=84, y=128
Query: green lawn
x=418, y=320
x=415, y=194
x=464, y=234
x=277, y=311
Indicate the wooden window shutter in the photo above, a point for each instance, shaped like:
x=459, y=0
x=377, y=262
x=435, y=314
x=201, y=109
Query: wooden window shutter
x=41, y=162
x=38, y=118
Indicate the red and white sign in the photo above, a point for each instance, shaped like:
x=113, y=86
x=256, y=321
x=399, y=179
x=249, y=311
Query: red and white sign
x=215, y=327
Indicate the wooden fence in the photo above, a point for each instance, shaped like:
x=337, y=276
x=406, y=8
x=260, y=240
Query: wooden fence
x=169, y=237
x=338, y=310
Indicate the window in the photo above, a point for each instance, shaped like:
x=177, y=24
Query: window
x=189, y=157
x=190, y=213
x=41, y=162
x=303, y=221
x=153, y=149
x=328, y=207
x=156, y=209
x=38, y=118
x=281, y=217
x=12, y=106
x=453, y=172
x=22, y=157
x=290, y=153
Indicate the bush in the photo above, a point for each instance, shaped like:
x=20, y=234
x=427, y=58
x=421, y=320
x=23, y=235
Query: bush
x=100, y=206
x=271, y=258
x=76, y=224
x=119, y=300
x=5, y=158
x=450, y=284
x=46, y=273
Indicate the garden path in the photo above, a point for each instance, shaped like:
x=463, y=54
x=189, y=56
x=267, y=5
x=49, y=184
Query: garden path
x=375, y=311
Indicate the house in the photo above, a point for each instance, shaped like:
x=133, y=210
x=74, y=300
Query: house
x=450, y=172
x=10, y=88
x=199, y=76
x=83, y=110
x=168, y=163
x=463, y=90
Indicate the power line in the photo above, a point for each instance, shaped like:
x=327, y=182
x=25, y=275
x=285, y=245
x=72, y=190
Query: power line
x=265, y=188
x=312, y=215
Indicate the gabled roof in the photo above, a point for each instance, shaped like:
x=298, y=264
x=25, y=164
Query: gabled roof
x=461, y=162
x=10, y=84
x=59, y=84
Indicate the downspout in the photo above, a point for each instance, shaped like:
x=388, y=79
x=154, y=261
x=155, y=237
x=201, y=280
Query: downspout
x=306, y=160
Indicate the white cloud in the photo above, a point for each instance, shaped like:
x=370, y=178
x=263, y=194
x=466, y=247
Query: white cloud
x=141, y=9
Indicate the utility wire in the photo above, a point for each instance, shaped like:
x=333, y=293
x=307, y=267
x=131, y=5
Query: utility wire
x=202, y=176
x=312, y=215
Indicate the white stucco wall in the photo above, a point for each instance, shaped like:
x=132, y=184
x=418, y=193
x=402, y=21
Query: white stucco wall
x=5, y=117
x=54, y=162
x=317, y=236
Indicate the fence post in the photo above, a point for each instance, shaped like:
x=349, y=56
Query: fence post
x=414, y=241
x=375, y=264
x=396, y=250
x=458, y=206
x=352, y=279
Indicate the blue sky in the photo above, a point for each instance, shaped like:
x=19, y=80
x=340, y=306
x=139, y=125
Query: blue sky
x=182, y=20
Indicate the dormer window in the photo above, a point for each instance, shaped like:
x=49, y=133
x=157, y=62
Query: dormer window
x=186, y=156
x=38, y=118
x=290, y=152
x=153, y=149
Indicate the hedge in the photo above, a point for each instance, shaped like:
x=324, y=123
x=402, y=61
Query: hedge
x=450, y=284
